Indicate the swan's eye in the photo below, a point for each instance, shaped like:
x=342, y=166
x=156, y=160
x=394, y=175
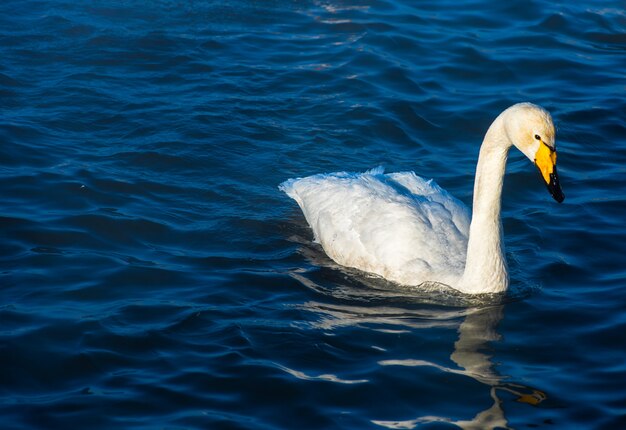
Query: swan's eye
x=537, y=137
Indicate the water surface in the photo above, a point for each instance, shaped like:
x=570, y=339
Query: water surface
x=152, y=275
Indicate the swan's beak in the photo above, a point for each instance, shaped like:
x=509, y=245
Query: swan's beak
x=545, y=160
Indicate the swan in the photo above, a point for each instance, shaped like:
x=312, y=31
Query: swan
x=411, y=231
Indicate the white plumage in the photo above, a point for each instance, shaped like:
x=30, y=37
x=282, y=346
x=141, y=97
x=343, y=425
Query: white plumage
x=386, y=224
x=411, y=231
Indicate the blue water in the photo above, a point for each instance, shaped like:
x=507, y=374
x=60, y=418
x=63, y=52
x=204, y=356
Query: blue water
x=152, y=275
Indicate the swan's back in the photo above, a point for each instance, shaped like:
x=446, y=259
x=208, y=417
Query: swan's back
x=399, y=226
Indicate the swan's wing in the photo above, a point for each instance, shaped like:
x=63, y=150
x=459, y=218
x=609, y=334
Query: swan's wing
x=399, y=226
x=419, y=186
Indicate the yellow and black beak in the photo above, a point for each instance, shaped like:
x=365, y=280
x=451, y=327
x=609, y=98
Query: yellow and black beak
x=545, y=160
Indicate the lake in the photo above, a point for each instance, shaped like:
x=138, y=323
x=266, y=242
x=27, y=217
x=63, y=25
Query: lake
x=153, y=276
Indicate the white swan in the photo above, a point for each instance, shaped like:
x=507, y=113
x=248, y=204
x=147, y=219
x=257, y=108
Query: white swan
x=411, y=231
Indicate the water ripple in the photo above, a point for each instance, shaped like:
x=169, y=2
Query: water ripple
x=151, y=271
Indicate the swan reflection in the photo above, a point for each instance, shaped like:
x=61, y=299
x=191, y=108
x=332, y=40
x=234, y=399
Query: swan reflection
x=476, y=331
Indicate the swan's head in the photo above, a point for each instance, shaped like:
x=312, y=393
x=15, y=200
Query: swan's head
x=530, y=128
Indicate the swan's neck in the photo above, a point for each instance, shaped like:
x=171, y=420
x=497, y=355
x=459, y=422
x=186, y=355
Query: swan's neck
x=485, y=264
